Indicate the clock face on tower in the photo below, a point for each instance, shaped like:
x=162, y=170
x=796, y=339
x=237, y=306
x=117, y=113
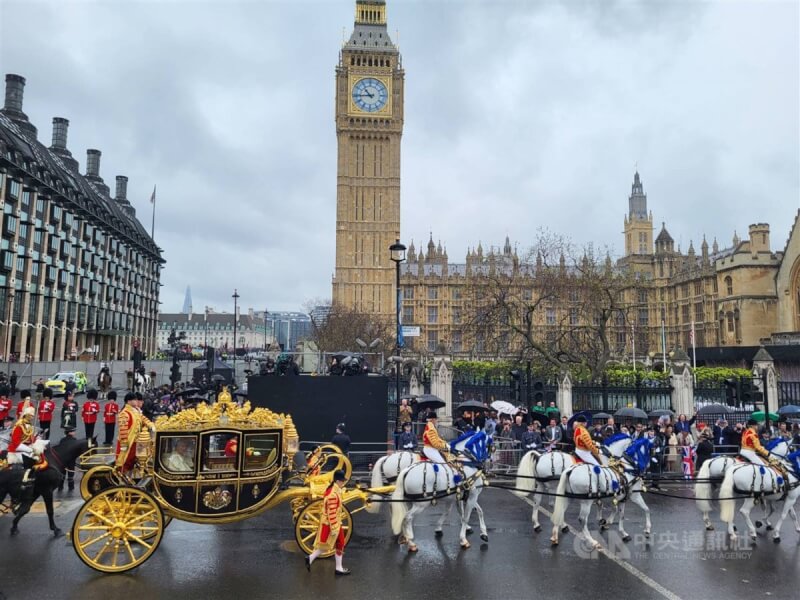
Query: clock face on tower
x=370, y=94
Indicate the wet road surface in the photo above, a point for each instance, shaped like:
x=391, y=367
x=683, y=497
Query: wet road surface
x=259, y=558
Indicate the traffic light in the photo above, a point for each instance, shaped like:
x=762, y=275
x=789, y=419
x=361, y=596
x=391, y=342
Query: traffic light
x=731, y=392
x=537, y=385
x=749, y=395
x=515, y=385
x=175, y=372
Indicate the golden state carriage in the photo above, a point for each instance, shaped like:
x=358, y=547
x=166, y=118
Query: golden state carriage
x=210, y=464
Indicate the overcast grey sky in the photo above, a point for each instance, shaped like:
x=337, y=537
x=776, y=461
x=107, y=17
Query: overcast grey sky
x=519, y=115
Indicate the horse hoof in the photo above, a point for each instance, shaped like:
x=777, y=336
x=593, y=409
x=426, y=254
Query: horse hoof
x=14, y=531
x=647, y=534
x=537, y=529
x=602, y=522
x=412, y=548
x=770, y=527
x=57, y=532
x=439, y=533
x=777, y=540
x=484, y=537
x=469, y=530
x=758, y=524
x=553, y=542
x=709, y=528
x=565, y=529
x=604, y=528
x=627, y=538
x=465, y=545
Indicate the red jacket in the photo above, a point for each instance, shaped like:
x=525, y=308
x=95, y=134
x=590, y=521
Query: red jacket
x=22, y=434
x=21, y=406
x=5, y=408
x=46, y=409
x=91, y=408
x=110, y=412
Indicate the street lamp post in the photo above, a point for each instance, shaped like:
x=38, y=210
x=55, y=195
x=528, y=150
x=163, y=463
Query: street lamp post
x=265, y=330
x=6, y=349
x=398, y=255
x=235, y=313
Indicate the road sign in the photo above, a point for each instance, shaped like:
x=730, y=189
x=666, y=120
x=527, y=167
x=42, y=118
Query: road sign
x=410, y=331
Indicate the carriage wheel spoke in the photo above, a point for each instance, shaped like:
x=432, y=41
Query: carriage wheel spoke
x=130, y=551
x=140, y=518
x=88, y=543
x=100, y=552
x=103, y=518
x=138, y=540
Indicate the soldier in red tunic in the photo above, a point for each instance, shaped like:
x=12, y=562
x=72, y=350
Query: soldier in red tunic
x=330, y=532
x=110, y=411
x=25, y=401
x=46, y=409
x=5, y=408
x=91, y=408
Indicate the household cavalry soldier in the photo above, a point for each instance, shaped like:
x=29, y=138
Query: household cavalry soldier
x=22, y=438
x=433, y=445
x=330, y=533
x=91, y=408
x=751, y=448
x=131, y=423
x=585, y=448
x=46, y=409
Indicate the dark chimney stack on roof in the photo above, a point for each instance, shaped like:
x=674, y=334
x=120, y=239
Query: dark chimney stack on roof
x=122, y=188
x=93, y=162
x=60, y=126
x=15, y=89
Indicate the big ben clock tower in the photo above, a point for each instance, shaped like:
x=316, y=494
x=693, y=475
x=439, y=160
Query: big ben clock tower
x=369, y=125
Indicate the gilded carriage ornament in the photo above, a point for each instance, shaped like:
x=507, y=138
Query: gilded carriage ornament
x=178, y=495
x=217, y=498
x=256, y=491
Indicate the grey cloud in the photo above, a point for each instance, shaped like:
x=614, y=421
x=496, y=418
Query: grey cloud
x=519, y=115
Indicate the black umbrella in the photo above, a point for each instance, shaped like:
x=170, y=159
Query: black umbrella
x=240, y=393
x=790, y=410
x=470, y=405
x=629, y=412
x=429, y=401
x=601, y=416
x=660, y=412
x=713, y=409
x=542, y=418
x=188, y=392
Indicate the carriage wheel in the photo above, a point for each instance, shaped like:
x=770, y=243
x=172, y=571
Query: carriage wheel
x=117, y=529
x=327, y=459
x=307, y=524
x=98, y=479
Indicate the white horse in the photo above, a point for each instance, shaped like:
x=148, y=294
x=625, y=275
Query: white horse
x=386, y=470
x=590, y=483
x=426, y=483
x=539, y=473
x=760, y=483
x=710, y=475
x=142, y=382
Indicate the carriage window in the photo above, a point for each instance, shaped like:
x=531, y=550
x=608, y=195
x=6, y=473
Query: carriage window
x=178, y=454
x=220, y=452
x=261, y=450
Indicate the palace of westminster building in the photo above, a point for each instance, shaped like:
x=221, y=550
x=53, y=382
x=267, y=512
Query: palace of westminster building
x=737, y=295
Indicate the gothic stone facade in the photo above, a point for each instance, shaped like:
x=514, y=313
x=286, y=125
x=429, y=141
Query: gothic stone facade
x=739, y=295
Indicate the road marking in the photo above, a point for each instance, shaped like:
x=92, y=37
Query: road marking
x=649, y=582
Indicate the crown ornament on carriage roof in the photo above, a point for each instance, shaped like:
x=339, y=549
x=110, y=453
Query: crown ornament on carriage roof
x=224, y=414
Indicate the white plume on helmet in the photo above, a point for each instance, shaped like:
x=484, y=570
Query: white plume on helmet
x=28, y=411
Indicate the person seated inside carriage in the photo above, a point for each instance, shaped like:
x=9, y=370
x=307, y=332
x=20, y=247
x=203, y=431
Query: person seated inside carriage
x=181, y=459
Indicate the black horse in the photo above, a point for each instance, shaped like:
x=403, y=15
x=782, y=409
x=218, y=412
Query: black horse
x=59, y=458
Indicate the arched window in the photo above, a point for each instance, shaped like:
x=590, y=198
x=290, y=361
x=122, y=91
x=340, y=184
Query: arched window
x=731, y=323
x=729, y=285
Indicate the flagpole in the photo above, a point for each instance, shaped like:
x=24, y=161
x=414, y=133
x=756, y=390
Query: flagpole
x=664, y=344
x=694, y=354
x=153, y=226
x=633, y=344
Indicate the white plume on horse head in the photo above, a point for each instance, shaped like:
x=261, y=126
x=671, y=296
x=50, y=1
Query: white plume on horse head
x=39, y=446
